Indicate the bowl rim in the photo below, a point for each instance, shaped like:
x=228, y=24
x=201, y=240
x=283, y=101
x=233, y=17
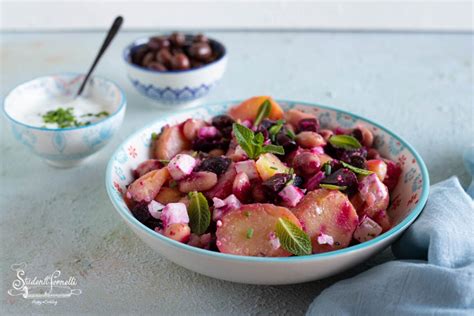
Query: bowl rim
x=141, y=40
x=122, y=105
x=128, y=217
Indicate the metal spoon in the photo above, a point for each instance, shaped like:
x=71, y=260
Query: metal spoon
x=108, y=39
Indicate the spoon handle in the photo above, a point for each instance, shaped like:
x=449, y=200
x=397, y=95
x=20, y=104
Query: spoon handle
x=108, y=39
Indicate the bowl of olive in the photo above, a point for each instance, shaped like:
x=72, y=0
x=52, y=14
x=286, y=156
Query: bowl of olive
x=175, y=69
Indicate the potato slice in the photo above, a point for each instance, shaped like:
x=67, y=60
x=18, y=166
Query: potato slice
x=146, y=166
x=374, y=195
x=170, y=142
x=329, y=219
x=248, y=231
x=168, y=195
x=145, y=188
x=268, y=165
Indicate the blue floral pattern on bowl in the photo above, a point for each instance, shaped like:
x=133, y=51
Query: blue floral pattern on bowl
x=169, y=95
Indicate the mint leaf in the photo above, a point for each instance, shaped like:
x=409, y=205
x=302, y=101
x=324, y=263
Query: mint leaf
x=244, y=137
x=199, y=214
x=274, y=129
x=327, y=168
x=344, y=141
x=263, y=112
x=356, y=170
x=290, y=134
x=259, y=139
x=274, y=149
x=332, y=187
x=252, y=143
x=292, y=238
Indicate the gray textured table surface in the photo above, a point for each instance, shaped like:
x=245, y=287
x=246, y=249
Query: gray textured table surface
x=419, y=85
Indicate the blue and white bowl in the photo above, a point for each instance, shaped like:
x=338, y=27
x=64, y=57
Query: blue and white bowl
x=64, y=147
x=407, y=201
x=171, y=88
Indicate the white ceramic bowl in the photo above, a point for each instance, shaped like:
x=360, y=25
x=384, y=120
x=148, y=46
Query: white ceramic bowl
x=64, y=147
x=407, y=201
x=184, y=88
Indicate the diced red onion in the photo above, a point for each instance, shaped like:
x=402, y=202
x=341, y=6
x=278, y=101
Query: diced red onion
x=207, y=132
x=247, y=123
x=231, y=203
x=248, y=167
x=240, y=152
x=154, y=208
x=274, y=241
x=313, y=182
x=371, y=188
x=367, y=229
x=319, y=150
x=218, y=203
x=181, y=166
x=325, y=239
x=174, y=213
x=291, y=195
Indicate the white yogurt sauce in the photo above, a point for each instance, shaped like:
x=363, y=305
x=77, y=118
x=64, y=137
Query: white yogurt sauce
x=33, y=113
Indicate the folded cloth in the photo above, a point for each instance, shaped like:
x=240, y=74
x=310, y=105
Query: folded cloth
x=436, y=275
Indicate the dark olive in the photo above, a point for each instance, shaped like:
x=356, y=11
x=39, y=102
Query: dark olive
x=138, y=54
x=147, y=59
x=176, y=50
x=276, y=183
x=164, y=57
x=159, y=42
x=200, y=51
x=200, y=38
x=157, y=66
x=180, y=62
x=196, y=63
x=177, y=39
x=218, y=165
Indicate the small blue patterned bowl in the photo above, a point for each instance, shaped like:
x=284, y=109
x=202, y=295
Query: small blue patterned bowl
x=184, y=88
x=64, y=147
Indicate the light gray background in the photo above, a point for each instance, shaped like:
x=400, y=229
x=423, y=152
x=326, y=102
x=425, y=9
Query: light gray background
x=419, y=85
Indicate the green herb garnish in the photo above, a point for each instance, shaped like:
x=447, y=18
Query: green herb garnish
x=344, y=141
x=65, y=118
x=363, y=172
x=199, y=214
x=275, y=129
x=103, y=113
x=249, y=233
x=290, y=134
x=252, y=143
x=154, y=136
x=263, y=112
x=327, y=168
x=247, y=214
x=332, y=187
x=292, y=238
x=164, y=161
